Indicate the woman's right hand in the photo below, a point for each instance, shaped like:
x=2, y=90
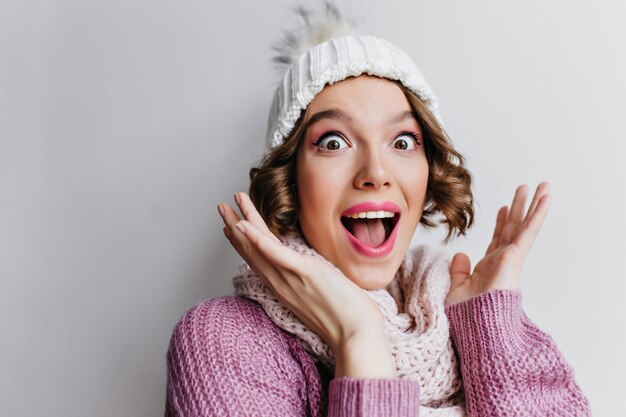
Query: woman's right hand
x=316, y=291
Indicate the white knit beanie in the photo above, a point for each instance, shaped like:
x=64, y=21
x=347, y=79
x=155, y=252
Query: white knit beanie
x=327, y=50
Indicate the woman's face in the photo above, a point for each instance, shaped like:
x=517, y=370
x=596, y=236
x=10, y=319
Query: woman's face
x=362, y=155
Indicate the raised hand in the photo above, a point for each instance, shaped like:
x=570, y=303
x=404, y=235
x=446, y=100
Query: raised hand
x=512, y=238
x=317, y=292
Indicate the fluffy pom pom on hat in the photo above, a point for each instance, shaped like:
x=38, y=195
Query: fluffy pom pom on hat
x=326, y=50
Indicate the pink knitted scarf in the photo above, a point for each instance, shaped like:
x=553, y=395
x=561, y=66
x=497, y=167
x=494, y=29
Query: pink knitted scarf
x=417, y=329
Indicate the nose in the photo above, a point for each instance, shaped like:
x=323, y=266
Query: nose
x=372, y=172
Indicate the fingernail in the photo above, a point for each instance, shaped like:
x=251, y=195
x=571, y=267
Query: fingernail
x=220, y=209
x=240, y=227
x=237, y=198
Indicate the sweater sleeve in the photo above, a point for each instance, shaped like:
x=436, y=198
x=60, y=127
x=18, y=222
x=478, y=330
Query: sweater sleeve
x=226, y=358
x=509, y=366
x=349, y=397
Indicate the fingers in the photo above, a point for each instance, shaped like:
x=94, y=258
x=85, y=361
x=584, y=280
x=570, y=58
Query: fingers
x=500, y=222
x=515, y=215
x=272, y=249
x=542, y=189
x=229, y=215
x=236, y=244
x=259, y=248
x=460, y=269
x=251, y=214
x=513, y=223
x=264, y=269
x=526, y=237
x=244, y=247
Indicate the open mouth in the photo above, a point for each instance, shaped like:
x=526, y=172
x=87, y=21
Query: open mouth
x=371, y=232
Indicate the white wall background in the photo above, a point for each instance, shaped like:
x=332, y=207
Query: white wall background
x=124, y=123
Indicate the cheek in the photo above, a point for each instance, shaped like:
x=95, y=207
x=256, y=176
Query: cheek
x=414, y=182
x=315, y=203
x=308, y=184
x=419, y=181
x=320, y=182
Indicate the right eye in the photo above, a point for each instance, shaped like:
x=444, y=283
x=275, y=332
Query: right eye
x=331, y=141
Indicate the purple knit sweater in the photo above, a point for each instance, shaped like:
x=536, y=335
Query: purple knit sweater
x=227, y=358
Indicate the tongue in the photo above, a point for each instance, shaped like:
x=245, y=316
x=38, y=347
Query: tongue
x=370, y=232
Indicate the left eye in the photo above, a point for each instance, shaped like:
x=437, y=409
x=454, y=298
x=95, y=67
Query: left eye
x=404, y=141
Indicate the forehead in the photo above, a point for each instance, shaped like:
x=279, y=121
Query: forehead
x=367, y=101
x=362, y=93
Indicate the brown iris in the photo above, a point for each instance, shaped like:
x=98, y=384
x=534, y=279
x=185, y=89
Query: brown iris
x=403, y=144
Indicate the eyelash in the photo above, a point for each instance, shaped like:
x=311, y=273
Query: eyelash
x=327, y=133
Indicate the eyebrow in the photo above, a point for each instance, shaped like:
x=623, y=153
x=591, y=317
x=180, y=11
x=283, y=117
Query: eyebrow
x=339, y=114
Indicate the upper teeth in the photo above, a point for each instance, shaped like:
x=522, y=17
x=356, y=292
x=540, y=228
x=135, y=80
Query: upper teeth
x=371, y=215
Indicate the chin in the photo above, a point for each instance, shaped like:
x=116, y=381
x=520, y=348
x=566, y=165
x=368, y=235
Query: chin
x=371, y=278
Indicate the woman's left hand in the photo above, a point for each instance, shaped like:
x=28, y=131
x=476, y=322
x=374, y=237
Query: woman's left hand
x=502, y=265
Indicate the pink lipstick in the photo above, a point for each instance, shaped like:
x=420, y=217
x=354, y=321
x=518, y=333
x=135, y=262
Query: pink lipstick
x=387, y=246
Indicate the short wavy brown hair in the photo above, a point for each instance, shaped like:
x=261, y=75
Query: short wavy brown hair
x=273, y=188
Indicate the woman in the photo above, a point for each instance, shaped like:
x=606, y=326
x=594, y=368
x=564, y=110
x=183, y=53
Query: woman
x=333, y=314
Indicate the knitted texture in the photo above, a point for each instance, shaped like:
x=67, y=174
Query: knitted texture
x=352, y=397
x=510, y=367
x=334, y=60
x=413, y=314
x=227, y=358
